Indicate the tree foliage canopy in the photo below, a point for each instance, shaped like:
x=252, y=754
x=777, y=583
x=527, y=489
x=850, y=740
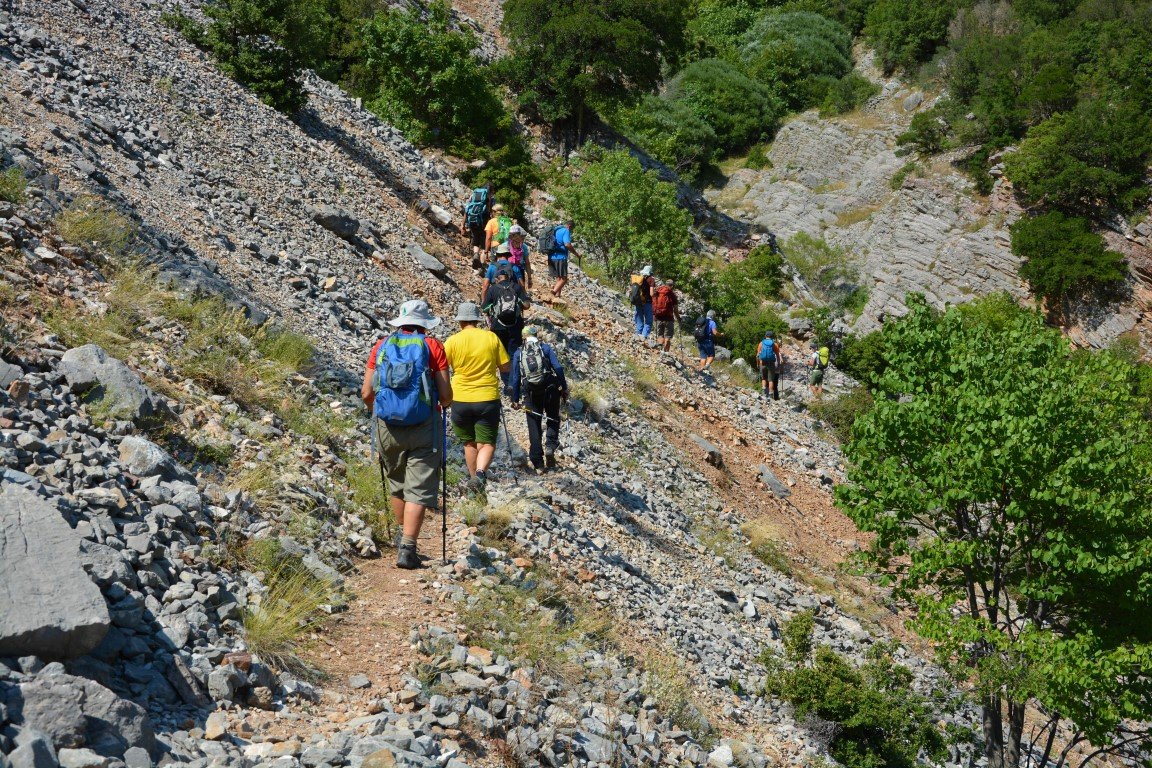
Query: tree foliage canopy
x=740, y=110
x=629, y=216
x=797, y=52
x=1062, y=256
x=1005, y=479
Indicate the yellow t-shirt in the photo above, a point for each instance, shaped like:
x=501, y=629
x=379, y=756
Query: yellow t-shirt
x=475, y=356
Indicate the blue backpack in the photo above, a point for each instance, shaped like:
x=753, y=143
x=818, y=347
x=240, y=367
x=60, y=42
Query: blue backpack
x=476, y=209
x=768, y=350
x=405, y=394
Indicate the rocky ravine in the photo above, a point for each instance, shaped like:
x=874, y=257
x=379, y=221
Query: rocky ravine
x=325, y=225
x=933, y=234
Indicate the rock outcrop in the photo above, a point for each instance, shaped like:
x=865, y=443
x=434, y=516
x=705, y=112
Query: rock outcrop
x=48, y=605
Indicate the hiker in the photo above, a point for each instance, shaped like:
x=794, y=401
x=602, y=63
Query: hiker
x=818, y=363
x=496, y=230
x=640, y=297
x=557, y=243
x=406, y=378
x=538, y=375
x=477, y=211
x=477, y=358
x=518, y=253
x=503, y=264
x=770, y=361
x=706, y=333
x=666, y=312
x=504, y=302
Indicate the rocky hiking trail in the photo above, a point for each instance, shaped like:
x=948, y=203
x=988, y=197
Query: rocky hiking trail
x=611, y=612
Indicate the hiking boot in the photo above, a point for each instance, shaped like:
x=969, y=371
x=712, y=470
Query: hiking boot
x=406, y=557
x=550, y=460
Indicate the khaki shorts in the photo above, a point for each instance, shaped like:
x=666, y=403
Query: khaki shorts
x=665, y=329
x=412, y=460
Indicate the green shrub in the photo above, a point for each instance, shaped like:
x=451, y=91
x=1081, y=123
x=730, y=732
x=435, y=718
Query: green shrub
x=741, y=287
x=828, y=271
x=841, y=412
x=798, y=54
x=716, y=28
x=743, y=332
x=849, y=13
x=1091, y=159
x=846, y=94
x=1063, y=256
x=927, y=133
x=511, y=170
x=907, y=32
x=862, y=357
x=92, y=223
x=878, y=720
x=740, y=110
x=12, y=185
x=670, y=132
x=423, y=76
x=758, y=158
x=629, y=216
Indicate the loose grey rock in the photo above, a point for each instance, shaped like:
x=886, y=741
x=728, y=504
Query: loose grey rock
x=144, y=458
x=48, y=605
x=90, y=370
x=426, y=260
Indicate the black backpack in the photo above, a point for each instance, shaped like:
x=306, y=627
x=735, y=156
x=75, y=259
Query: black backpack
x=547, y=239
x=634, y=294
x=700, y=332
x=535, y=370
x=506, y=306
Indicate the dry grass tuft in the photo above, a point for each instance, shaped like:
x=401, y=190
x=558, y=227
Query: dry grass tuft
x=764, y=539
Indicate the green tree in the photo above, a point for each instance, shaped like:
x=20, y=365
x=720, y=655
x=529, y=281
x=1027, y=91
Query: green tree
x=1063, y=257
x=740, y=110
x=799, y=53
x=511, y=170
x=736, y=289
x=1005, y=480
x=907, y=32
x=743, y=332
x=629, y=216
x=425, y=79
x=263, y=44
x=670, y=132
x=568, y=54
x=717, y=26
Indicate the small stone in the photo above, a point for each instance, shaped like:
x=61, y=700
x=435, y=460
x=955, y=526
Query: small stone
x=215, y=726
x=380, y=759
x=359, y=681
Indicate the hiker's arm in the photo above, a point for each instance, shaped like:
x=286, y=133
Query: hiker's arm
x=366, y=393
x=444, y=388
x=505, y=367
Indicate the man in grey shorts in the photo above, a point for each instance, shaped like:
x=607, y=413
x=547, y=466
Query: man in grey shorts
x=411, y=454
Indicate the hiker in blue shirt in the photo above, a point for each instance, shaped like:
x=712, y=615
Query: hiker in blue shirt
x=558, y=256
x=502, y=265
x=538, y=375
x=706, y=333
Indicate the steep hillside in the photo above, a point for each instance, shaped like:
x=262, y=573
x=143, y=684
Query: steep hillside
x=175, y=502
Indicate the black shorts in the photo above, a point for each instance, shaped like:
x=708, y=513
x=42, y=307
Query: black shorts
x=476, y=236
x=558, y=268
x=476, y=422
x=767, y=370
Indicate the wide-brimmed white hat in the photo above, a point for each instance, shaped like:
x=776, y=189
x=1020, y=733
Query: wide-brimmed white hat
x=468, y=312
x=415, y=312
x=647, y=270
x=517, y=230
x=503, y=248
x=498, y=207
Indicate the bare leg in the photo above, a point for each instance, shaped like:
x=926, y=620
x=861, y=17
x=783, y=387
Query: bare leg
x=413, y=519
x=484, y=454
x=470, y=458
x=398, y=510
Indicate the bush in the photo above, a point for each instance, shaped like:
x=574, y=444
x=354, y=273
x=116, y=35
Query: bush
x=422, y=76
x=629, y=216
x=92, y=223
x=849, y=13
x=862, y=357
x=12, y=185
x=1063, y=257
x=799, y=54
x=757, y=158
x=828, y=272
x=741, y=287
x=848, y=93
x=840, y=413
x=670, y=132
x=742, y=333
x=285, y=613
x=876, y=718
x=716, y=29
x=927, y=132
x=907, y=32
x=510, y=170
x=1087, y=160
x=740, y=110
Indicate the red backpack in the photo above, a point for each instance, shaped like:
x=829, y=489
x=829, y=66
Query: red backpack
x=663, y=301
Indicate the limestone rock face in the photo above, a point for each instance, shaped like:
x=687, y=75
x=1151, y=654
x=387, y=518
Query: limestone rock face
x=49, y=606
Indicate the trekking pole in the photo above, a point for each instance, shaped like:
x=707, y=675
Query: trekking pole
x=507, y=434
x=444, y=489
x=383, y=480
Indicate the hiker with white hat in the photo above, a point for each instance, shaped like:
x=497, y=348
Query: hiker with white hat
x=477, y=359
x=497, y=228
x=503, y=266
x=407, y=387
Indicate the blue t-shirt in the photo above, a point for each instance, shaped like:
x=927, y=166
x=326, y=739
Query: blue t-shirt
x=711, y=328
x=563, y=240
x=490, y=275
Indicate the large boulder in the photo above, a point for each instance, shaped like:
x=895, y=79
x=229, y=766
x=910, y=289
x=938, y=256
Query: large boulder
x=144, y=458
x=75, y=712
x=49, y=607
x=89, y=370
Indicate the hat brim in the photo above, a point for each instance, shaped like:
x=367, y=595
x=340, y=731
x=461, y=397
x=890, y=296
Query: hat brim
x=428, y=324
